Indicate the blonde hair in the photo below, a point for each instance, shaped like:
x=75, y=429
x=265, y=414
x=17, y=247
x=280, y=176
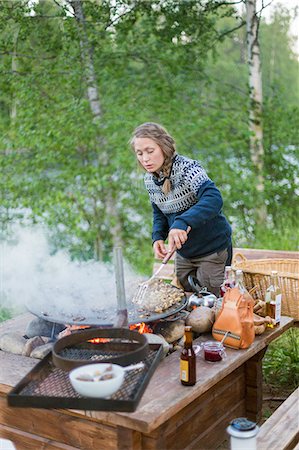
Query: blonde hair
x=161, y=137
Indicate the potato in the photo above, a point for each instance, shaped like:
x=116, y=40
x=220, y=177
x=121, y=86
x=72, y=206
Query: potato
x=201, y=319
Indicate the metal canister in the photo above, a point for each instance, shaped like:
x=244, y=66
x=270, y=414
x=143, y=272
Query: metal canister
x=242, y=434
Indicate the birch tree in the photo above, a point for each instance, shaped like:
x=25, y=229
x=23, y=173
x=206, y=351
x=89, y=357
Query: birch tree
x=255, y=105
x=93, y=96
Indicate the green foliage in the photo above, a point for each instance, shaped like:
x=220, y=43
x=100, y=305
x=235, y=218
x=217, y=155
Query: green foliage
x=281, y=362
x=5, y=314
x=152, y=61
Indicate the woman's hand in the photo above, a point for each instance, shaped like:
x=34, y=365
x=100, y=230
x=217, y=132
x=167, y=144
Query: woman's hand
x=177, y=237
x=159, y=249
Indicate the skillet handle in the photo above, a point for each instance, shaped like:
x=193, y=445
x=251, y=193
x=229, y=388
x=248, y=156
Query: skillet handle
x=194, y=283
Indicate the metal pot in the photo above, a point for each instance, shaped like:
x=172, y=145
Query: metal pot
x=204, y=299
x=201, y=296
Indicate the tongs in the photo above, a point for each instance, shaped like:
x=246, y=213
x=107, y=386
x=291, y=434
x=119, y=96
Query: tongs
x=138, y=297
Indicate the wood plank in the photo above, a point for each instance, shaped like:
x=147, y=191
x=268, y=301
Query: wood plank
x=60, y=426
x=259, y=253
x=13, y=368
x=17, y=324
x=28, y=441
x=168, y=270
x=254, y=386
x=150, y=413
x=281, y=430
x=128, y=439
x=215, y=435
x=203, y=413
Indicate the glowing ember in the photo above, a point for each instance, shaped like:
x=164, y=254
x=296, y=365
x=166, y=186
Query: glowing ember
x=99, y=340
x=141, y=328
x=70, y=328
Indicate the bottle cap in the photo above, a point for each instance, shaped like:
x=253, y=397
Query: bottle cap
x=242, y=428
x=242, y=424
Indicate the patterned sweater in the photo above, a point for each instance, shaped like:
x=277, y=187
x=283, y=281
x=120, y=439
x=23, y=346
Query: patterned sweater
x=193, y=201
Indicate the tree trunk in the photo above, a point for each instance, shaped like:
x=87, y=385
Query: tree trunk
x=92, y=88
x=256, y=105
x=14, y=68
x=96, y=109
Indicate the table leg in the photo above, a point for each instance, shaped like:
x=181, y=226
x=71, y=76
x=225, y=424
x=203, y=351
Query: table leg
x=254, y=386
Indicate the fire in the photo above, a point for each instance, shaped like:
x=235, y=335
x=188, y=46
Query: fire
x=70, y=328
x=99, y=340
x=141, y=328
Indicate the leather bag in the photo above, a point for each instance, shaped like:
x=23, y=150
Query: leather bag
x=235, y=319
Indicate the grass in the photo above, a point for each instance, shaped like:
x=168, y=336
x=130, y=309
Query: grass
x=5, y=314
x=281, y=361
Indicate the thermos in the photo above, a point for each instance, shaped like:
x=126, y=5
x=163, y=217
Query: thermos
x=242, y=434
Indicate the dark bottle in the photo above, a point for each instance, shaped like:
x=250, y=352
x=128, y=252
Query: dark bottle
x=187, y=362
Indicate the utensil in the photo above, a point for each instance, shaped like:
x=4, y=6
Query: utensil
x=138, y=297
x=122, y=313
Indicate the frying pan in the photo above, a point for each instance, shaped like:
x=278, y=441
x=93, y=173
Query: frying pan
x=100, y=317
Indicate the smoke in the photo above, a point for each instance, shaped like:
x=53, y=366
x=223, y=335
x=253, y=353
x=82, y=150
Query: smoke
x=31, y=277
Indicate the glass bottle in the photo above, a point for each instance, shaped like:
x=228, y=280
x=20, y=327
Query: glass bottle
x=240, y=281
x=241, y=286
x=229, y=280
x=188, y=360
x=273, y=299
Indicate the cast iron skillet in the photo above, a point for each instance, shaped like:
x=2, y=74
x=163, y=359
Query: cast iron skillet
x=100, y=317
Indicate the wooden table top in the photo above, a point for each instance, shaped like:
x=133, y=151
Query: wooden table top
x=164, y=395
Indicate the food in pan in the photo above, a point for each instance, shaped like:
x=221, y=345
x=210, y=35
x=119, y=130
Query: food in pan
x=159, y=296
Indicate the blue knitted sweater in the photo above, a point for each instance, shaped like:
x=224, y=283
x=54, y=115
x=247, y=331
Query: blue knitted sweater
x=193, y=201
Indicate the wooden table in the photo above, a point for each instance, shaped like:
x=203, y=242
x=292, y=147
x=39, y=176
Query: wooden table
x=169, y=416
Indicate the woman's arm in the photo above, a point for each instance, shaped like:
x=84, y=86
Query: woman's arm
x=160, y=224
x=209, y=205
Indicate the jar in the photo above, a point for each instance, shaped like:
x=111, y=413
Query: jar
x=213, y=351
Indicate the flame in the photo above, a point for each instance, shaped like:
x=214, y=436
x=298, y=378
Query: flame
x=99, y=340
x=141, y=328
x=70, y=328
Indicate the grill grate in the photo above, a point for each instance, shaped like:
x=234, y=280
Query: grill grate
x=47, y=386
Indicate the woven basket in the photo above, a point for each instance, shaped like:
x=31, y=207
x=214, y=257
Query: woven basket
x=257, y=274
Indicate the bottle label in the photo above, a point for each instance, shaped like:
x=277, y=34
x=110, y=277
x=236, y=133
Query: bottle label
x=184, y=366
x=278, y=308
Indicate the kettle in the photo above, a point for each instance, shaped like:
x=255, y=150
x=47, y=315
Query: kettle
x=201, y=296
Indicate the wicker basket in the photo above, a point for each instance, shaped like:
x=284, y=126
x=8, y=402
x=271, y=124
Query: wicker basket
x=257, y=273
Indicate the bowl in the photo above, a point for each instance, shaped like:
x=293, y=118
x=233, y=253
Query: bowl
x=97, y=380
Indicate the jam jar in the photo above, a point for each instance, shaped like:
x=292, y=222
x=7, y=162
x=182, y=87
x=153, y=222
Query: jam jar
x=213, y=351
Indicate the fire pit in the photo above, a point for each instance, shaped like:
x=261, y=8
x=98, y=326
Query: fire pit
x=117, y=345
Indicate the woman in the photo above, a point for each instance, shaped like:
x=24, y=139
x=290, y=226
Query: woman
x=186, y=209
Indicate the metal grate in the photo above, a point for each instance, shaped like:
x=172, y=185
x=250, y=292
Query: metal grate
x=47, y=386
x=92, y=355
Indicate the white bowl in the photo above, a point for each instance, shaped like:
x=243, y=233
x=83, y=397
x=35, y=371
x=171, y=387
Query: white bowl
x=97, y=388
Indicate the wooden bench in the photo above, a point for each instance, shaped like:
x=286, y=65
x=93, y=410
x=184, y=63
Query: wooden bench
x=281, y=430
x=167, y=272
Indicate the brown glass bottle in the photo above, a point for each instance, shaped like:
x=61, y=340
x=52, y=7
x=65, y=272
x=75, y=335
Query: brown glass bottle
x=187, y=362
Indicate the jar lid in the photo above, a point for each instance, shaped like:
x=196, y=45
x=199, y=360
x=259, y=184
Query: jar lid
x=243, y=424
x=213, y=345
